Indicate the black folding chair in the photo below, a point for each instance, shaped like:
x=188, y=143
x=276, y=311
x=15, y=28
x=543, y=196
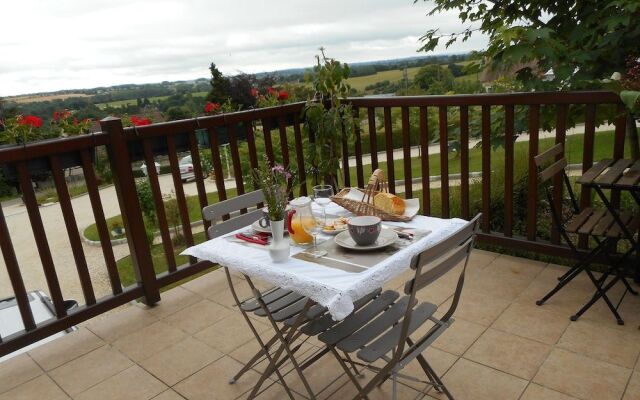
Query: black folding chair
x=381, y=327
x=594, y=223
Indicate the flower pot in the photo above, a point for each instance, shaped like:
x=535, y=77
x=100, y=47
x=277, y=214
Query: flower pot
x=222, y=133
x=158, y=146
x=274, y=123
x=40, y=168
x=279, y=247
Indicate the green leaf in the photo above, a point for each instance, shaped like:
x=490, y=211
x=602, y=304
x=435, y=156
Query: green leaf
x=630, y=98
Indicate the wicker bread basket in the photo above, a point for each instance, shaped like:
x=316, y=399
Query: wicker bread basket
x=377, y=184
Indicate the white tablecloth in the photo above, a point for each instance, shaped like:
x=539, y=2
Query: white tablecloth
x=330, y=287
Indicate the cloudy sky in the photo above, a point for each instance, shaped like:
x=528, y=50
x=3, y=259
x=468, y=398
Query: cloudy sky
x=66, y=44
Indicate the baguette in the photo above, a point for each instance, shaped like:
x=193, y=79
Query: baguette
x=389, y=203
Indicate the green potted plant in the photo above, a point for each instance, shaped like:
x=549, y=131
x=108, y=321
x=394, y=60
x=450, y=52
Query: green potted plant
x=117, y=230
x=327, y=118
x=24, y=129
x=159, y=144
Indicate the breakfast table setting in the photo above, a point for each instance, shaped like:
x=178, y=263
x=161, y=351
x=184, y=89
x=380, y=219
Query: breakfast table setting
x=328, y=251
x=340, y=261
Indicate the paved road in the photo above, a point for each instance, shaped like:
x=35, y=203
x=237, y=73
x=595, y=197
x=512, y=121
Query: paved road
x=27, y=253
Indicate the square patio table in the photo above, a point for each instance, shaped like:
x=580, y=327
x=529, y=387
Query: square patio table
x=617, y=175
x=337, y=289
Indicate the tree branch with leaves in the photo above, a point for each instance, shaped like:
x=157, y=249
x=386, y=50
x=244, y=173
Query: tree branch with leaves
x=582, y=41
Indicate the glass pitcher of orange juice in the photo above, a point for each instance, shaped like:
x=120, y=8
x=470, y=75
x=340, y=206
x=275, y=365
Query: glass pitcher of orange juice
x=299, y=216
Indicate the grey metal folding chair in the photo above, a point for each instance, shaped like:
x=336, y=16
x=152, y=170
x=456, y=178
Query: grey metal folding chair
x=276, y=304
x=381, y=329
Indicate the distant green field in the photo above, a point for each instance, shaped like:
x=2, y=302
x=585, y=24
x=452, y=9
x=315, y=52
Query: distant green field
x=361, y=82
x=470, y=77
x=395, y=75
x=120, y=103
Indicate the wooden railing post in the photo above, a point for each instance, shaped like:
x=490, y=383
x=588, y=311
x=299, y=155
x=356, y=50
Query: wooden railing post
x=125, y=186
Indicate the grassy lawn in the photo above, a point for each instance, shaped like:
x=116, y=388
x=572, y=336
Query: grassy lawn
x=573, y=151
x=128, y=277
x=467, y=78
x=193, y=205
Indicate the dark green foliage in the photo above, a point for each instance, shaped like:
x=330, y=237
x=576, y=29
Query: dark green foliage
x=150, y=234
x=145, y=196
x=177, y=112
x=456, y=69
x=583, y=41
x=173, y=219
x=434, y=79
x=241, y=85
x=383, y=87
x=220, y=86
x=5, y=188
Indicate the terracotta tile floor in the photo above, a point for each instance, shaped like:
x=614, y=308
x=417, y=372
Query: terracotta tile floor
x=502, y=346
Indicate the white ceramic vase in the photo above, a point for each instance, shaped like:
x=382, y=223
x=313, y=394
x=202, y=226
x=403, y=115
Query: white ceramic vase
x=279, y=247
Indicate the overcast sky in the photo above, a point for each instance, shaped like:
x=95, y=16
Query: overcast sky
x=66, y=44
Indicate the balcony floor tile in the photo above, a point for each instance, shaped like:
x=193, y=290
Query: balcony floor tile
x=501, y=345
x=582, y=377
x=41, y=387
x=180, y=360
x=16, y=371
x=80, y=374
x=134, y=383
x=66, y=348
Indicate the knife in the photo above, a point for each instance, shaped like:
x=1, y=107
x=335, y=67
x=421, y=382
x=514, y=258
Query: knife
x=251, y=239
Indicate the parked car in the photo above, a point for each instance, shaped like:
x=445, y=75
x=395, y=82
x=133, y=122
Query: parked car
x=186, y=169
x=42, y=309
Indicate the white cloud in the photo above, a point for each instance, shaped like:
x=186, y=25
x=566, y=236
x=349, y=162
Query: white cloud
x=78, y=44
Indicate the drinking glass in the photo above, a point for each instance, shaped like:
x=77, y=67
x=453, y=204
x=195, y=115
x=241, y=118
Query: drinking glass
x=322, y=196
x=313, y=225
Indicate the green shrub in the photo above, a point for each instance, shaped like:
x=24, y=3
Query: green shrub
x=173, y=219
x=5, y=188
x=150, y=234
x=145, y=196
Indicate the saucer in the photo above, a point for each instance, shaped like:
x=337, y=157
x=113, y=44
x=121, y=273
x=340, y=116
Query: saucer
x=386, y=238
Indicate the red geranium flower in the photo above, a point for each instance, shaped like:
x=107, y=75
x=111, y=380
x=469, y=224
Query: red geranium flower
x=56, y=115
x=140, y=121
x=211, y=107
x=254, y=92
x=283, y=95
x=272, y=91
x=30, y=120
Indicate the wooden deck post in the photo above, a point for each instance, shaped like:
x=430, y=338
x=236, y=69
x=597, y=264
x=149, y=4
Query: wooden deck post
x=125, y=186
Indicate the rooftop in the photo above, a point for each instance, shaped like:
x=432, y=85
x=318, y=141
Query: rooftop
x=502, y=346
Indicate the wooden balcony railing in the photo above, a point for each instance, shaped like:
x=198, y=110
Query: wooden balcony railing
x=277, y=132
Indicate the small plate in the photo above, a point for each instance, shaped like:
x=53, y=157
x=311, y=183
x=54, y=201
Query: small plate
x=342, y=226
x=334, y=232
x=256, y=227
x=386, y=238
